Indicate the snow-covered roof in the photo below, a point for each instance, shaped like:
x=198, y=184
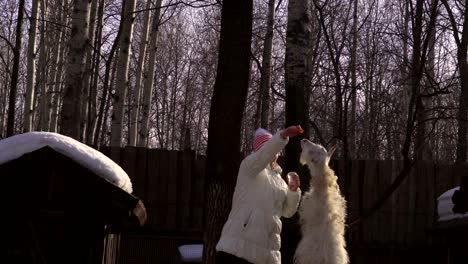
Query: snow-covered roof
x=16, y=146
x=445, y=205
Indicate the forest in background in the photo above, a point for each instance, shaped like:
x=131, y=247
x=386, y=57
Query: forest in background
x=382, y=79
x=152, y=65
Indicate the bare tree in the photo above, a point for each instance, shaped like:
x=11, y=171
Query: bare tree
x=86, y=101
x=265, y=80
x=31, y=71
x=71, y=110
x=227, y=107
x=135, y=107
x=57, y=73
x=353, y=69
x=43, y=66
x=296, y=78
x=15, y=71
x=462, y=47
x=296, y=74
x=148, y=78
x=122, y=73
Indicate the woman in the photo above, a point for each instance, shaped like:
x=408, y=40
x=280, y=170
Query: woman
x=252, y=232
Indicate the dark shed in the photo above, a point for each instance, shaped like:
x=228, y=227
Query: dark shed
x=56, y=210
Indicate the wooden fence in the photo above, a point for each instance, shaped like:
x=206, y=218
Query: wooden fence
x=171, y=183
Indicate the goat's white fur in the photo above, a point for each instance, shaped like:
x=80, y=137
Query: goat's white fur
x=322, y=212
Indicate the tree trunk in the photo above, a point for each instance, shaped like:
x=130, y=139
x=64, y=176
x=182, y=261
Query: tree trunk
x=15, y=71
x=422, y=142
x=184, y=140
x=462, y=115
x=265, y=81
x=227, y=107
x=95, y=74
x=43, y=70
x=297, y=113
x=71, y=110
x=416, y=113
x=148, y=79
x=87, y=73
x=122, y=73
x=102, y=106
x=58, y=85
x=135, y=107
x=297, y=51
x=352, y=119
x=31, y=68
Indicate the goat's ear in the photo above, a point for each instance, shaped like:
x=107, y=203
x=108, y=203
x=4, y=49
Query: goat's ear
x=331, y=151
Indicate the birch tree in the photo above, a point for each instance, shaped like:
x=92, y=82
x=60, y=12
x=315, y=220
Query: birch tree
x=135, y=107
x=265, y=80
x=87, y=74
x=148, y=78
x=31, y=68
x=92, y=109
x=122, y=73
x=296, y=75
x=43, y=69
x=57, y=84
x=71, y=109
x=15, y=71
x=353, y=69
x=296, y=82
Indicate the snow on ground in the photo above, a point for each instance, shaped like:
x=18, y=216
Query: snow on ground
x=445, y=205
x=16, y=146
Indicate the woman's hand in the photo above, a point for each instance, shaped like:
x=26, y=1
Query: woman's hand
x=293, y=181
x=291, y=131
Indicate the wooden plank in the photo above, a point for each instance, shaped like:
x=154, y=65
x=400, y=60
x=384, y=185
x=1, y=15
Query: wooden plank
x=420, y=213
x=369, y=198
x=184, y=189
x=162, y=192
x=410, y=211
x=401, y=206
x=199, y=192
x=353, y=201
x=128, y=162
x=153, y=196
x=385, y=214
x=139, y=174
x=172, y=191
x=153, y=176
x=431, y=202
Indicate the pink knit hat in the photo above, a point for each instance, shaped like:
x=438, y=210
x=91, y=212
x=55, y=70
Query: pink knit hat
x=261, y=136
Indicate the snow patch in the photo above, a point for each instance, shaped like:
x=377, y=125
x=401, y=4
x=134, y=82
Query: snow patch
x=445, y=205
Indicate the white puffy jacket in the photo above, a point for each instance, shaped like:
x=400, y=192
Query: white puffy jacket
x=261, y=197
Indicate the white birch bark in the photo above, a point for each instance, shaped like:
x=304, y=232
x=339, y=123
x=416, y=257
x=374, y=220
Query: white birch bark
x=43, y=58
x=57, y=87
x=31, y=68
x=266, y=65
x=148, y=78
x=134, y=109
x=71, y=109
x=96, y=60
x=87, y=73
x=122, y=74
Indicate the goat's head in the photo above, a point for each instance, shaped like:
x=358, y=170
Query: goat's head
x=314, y=155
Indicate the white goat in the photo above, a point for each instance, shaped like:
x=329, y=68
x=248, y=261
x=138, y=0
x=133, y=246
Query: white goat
x=322, y=211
